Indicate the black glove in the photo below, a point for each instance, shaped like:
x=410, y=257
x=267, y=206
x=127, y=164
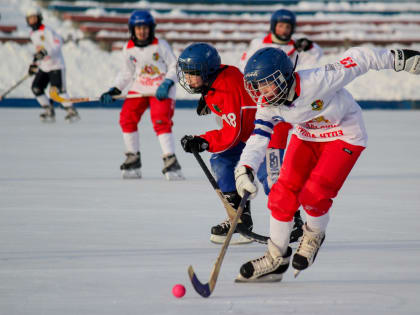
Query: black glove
x=407, y=60
x=303, y=44
x=40, y=54
x=33, y=69
x=107, y=97
x=202, y=108
x=194, y=144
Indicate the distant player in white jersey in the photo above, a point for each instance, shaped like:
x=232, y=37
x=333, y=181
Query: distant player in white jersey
x=48, y=67
x=282, y=28
x=149, y=69
x=328, y=137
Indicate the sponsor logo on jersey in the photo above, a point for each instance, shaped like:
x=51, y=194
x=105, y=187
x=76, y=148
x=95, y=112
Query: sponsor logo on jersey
x=317, y=105
x=150, y=70
x=156, y=56
x=319, y=119
x=42, y=37
x=133, y=59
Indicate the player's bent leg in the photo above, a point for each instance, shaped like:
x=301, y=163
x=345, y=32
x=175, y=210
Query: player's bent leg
x=333, y=167
x=38, y=87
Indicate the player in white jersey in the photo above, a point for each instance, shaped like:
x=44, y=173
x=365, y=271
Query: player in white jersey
x=307, y=54
x=48, y=67
x=282, y=28
x=149, y=69
x=328, y=137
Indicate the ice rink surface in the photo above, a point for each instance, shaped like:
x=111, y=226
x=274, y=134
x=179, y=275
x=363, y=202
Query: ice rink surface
x=77, y=239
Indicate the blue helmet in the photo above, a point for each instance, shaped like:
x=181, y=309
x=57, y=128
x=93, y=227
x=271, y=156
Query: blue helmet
x=268, y=76
x=284, y=16
x=139, y=18
x=199, y=59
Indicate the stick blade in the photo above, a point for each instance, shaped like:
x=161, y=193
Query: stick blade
x=202, y=289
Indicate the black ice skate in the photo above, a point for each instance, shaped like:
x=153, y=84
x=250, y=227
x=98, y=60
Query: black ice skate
x=268, y=268
x=297, y=230
x=72, y=114
x=131, y=166
x=219, y=232
x=171, y=168
x=49, y=114
x=308, y=248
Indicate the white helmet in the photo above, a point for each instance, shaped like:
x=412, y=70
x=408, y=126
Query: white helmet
x=34, y=11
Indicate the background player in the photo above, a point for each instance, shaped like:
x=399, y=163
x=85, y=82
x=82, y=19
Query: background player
x=327, y=140
x=47, y=66
x=149, y=69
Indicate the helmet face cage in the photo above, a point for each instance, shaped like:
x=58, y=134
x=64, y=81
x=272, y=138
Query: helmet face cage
x=272, y=90
x=185, y=68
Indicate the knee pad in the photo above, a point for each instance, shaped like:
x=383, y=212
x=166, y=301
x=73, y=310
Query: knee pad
x=37, y=91
x=316, y=198
x=283, y=202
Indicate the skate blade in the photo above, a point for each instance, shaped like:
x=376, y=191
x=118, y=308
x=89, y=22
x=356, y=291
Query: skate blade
x=237, y=239
x=177, y=175
x=296, y=272
x=47, y=120
x=72, y=120
x=264, y=279
x=131, y=174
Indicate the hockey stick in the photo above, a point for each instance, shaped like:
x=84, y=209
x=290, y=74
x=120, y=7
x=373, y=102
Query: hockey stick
x=14, y=86
x=59, y=99
x=229, y=209
x=206, y=289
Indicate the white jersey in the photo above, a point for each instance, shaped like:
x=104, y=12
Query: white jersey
x=46, y=38
x=324, y=110
x=145, y=68
x=307, y=59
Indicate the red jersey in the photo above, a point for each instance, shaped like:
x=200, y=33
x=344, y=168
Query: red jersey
x=228, y=99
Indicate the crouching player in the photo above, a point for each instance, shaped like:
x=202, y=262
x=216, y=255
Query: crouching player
x=328, y=138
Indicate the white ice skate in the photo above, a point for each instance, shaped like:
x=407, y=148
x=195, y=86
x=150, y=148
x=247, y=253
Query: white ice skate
x=131, y=166
x=72, y=114
x=48, y=116
x=171, y=169
x=308, y=248
x=268, y=268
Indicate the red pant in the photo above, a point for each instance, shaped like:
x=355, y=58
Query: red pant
x=161, y=113
x=311, y=175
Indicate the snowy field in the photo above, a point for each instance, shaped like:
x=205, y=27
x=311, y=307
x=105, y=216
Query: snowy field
x=77, y=239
